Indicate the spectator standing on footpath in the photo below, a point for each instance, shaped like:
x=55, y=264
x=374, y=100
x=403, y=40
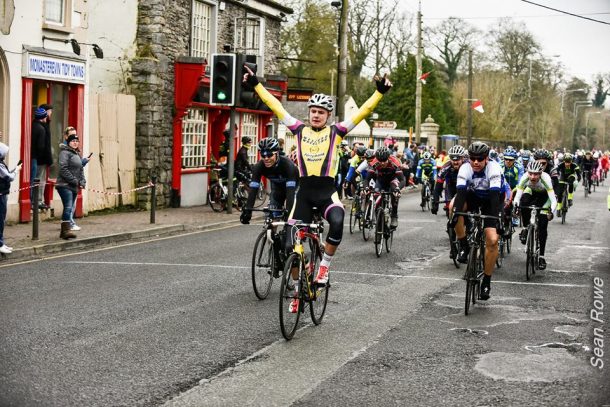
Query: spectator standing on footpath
x=40, y=154
x=6, y=177
x=71, y=131
x=71, y=178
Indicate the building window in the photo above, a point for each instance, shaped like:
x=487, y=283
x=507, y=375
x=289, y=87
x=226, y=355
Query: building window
x=194, y=138
x=57, y=15
x=249, y=38
x=249, y=127
x=201, y=29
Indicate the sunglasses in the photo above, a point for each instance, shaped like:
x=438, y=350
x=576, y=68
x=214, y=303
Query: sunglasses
x=267, y=154
x=456, y=158
x=478, y=158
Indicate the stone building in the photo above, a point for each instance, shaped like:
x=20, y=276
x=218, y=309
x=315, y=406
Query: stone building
x=178, y=131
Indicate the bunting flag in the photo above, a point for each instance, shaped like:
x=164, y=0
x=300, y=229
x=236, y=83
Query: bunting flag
x=478, y=106
x=424, y=77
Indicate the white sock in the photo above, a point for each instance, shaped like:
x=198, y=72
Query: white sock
x=326, y=259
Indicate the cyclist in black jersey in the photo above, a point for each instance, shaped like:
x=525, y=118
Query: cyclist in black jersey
x=569, y=174
x=281, y=173
x=588, y=164
x=448, y=175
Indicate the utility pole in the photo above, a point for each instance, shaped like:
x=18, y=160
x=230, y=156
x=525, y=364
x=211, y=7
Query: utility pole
x=529, y=102
x=417, y=76
x=342, y=74
x=469, y=140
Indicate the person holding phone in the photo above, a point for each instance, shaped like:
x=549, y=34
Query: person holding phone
x=6, y=177
x=71, y=131
x=71, y=178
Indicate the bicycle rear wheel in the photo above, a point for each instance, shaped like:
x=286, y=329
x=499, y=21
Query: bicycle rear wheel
x=288, y=320
x=471, y=279
x=216, y=198
x=263, y=263
x=317, y=306
x=368, y=225
x=379, y=230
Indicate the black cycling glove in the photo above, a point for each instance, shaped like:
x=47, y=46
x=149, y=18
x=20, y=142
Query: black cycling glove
x=383, y=84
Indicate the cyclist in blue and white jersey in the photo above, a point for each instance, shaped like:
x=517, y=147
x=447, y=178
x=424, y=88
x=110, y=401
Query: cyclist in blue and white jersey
x=478, y=186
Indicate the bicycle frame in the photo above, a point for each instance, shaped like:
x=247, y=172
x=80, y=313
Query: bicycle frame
x=532, y=244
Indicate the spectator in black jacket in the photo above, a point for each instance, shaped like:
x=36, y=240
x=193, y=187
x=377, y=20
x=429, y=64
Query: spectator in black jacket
x=40, y=153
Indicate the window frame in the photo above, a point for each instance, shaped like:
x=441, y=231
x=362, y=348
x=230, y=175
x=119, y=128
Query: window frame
x=239, y=39
x=66, y=24
x=213, y=28
x=250, y=124
x=190, y=124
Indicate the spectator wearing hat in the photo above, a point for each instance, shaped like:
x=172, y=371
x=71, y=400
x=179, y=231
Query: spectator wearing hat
x=40, y=153
x=243, y=170
x=71, y=178
x=6, y=177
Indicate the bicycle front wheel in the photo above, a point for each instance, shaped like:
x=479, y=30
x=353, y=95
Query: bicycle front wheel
x=263, y=263
x=317, y=307
x=353, y=216
x=379, y=230
x=500, y=258
x=216, y=198
x=529, y=259
x=389, y=239
x=367, y=226
x=471, y=279
x=290, y=320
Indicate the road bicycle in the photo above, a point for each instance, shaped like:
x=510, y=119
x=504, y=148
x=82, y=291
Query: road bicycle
x=355, y=214
x=426, y=195
x=368, y=215
x=476, y=257
x=218, y=193
x=268, y=254
x=585, y=183
x=532, y=243
x=305, y=259
x=564, y=204
x=383, y=231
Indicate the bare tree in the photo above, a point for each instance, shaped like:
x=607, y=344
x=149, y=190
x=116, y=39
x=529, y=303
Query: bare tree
x=512, y=46
x=451, y=38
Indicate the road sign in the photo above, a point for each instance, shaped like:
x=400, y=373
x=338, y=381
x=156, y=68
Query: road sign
x=384, y=124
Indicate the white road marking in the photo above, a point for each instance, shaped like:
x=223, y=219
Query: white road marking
x=223, y=266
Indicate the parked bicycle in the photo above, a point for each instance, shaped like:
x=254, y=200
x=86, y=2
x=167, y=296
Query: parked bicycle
x=305, y=258
x=268, y=254
x=476, y=257
x=383, y=232
x=218, y=193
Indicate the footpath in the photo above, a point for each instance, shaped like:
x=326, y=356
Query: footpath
x=108, y=228
x=115, y=227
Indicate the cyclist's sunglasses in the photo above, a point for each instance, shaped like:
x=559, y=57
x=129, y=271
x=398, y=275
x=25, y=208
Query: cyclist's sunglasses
x=456, y=157
x=267, y=154
x=479, y=158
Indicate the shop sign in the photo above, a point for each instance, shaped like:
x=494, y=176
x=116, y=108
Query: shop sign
x=53, y=68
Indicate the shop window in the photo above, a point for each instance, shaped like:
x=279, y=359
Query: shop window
x=249, y=127
x=194, y=138
x=249, y=38
x=57, y=15
x=202, y=29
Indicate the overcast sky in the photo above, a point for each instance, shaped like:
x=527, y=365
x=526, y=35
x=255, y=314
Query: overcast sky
x=583, y=46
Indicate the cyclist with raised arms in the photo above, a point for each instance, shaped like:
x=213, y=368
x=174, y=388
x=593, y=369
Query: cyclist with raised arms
x=536, y=189
x=386, y=170
x=478, y=186
x=448, y=176
x=317, y=159
x=281, y=173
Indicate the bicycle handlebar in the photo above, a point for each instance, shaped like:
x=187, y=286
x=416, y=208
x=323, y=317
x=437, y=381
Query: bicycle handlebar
x=266, y=210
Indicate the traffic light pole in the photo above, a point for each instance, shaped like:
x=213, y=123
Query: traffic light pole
x=231, y=160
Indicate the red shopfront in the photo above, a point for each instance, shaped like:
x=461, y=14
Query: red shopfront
x=190, y=177
x=58, y=79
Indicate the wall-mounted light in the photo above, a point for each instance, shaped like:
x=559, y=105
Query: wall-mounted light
x=97, y=50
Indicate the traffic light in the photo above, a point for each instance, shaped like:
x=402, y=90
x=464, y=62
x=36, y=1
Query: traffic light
x=246, y=96
x=222, y=84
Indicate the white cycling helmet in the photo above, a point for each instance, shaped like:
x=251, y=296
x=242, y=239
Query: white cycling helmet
x=534, y=167
x=427, y=156
x=321, y=100
x=457, y=151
